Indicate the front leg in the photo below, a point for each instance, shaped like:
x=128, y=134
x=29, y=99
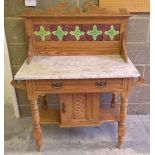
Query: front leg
x=121, y=123
x=36, y=123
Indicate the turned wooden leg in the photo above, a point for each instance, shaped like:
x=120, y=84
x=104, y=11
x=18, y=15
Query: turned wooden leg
x=121, y=123
x=44, y=105
x=36, y=124
x=114, y=100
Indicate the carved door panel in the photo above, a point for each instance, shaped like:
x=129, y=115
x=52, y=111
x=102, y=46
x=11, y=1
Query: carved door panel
x=79, y=109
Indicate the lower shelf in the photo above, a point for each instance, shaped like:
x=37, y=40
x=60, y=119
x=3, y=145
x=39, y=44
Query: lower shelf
x=52, y=116
x=108, y=115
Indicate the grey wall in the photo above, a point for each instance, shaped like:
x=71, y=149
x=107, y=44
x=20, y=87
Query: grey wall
x=139, y=52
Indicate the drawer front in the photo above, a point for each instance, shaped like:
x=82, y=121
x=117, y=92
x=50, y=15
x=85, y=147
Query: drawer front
x=67, y=86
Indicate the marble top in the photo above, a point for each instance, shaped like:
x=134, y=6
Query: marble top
x=77, y=67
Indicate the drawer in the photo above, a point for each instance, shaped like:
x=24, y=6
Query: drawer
x=91, y=85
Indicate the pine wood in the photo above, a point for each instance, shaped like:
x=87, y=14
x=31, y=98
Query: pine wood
x=79, y=99
x=52, y=116
x=121, y=123
x=35, y=113
x=36, y=124
x=123, y=51
x=18, y=84
x=131, y=5
x=61, y=48
x=41, y=87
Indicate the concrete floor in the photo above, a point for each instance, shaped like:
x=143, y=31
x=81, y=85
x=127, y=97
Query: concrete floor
x=76, y=141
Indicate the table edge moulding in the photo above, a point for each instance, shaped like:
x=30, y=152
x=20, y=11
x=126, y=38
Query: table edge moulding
x=77, y=53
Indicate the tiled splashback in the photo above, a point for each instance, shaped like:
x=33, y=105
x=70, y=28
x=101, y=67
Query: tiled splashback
x=76, y=32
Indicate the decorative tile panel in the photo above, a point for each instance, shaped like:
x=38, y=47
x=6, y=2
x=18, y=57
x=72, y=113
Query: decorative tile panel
x=76, y=32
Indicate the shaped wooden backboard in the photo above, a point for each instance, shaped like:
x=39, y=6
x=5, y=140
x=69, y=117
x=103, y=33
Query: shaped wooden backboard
x=63, y=31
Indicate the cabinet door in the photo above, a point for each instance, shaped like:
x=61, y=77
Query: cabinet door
x=79, y=109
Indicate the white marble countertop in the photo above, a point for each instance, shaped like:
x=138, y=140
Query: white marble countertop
x=76, y=67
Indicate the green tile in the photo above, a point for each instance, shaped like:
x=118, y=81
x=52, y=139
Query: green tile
x=15, y=30
x=17, y=53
